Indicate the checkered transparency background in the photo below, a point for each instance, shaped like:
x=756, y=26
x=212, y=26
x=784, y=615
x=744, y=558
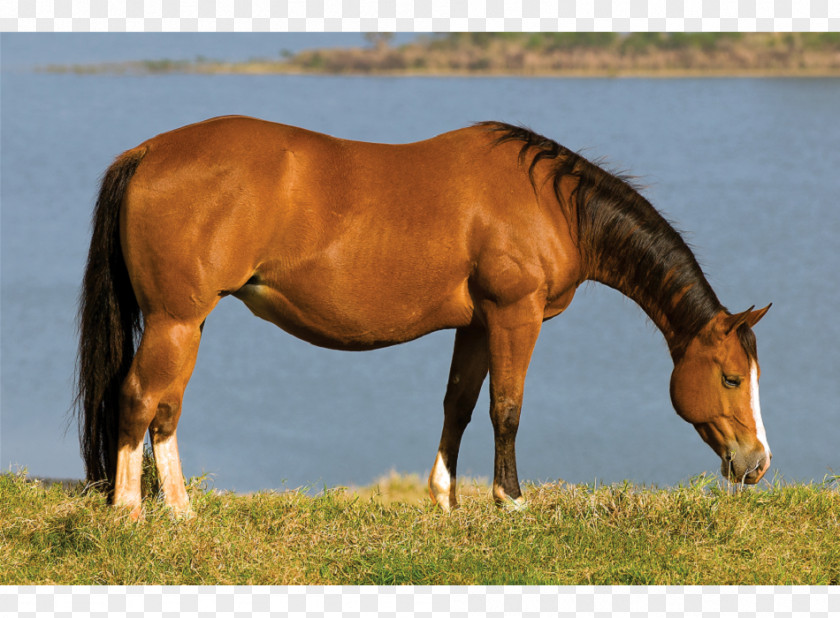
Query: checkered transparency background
x=418, y=16
x=425, y=602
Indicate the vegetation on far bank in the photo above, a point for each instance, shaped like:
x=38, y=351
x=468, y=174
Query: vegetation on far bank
x=535, y=54
x=702, y=533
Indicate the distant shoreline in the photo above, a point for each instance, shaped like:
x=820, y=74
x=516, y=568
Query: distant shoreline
x=247, y=68
x=537, y=55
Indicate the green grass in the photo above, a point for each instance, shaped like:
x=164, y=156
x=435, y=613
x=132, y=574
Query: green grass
x=703, y=533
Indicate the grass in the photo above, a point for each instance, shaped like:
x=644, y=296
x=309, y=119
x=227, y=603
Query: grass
x=700, y=533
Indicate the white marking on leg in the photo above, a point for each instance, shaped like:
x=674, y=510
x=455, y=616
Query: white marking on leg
x=756, y=408
x=171, y=478
x=440, y=482
x=129, y=472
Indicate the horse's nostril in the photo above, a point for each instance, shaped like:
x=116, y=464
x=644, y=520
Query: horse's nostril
x=763, y=465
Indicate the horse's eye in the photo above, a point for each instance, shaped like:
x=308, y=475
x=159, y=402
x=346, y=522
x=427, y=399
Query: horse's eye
x=731, y=381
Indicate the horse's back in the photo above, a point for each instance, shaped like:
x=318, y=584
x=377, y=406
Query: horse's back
x=285, y=166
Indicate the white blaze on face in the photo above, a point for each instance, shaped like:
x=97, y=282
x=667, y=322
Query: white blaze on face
x=756, y=408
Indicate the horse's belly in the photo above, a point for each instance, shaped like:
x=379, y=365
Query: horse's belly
x=343, y=320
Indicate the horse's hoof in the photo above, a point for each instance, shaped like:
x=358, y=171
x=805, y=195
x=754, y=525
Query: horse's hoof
x=136, y=514
x=442, y=500
x=443, y=504
x=181, y=514
x=517, y=505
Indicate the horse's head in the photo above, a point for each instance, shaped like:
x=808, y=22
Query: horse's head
x=715, y=388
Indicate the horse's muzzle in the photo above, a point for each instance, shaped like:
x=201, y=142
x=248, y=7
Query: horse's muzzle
x=747, y=468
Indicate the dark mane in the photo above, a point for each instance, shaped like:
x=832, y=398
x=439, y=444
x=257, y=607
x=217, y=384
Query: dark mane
x=747, y=338
x=624, y=242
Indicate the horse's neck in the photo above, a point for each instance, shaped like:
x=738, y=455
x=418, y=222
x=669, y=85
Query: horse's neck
x=626, y=244
x=657, y=311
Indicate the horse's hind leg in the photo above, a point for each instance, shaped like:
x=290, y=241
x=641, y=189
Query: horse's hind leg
x=162, y=432
x=151, y=399
x=467, y=373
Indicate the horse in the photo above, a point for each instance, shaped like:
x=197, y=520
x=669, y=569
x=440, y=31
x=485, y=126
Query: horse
x=487, y=230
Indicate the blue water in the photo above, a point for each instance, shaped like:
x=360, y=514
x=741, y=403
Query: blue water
x=748, y=166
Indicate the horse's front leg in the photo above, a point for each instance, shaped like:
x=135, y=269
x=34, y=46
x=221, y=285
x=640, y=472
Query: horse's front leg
x=513, y=332
x=466, y=375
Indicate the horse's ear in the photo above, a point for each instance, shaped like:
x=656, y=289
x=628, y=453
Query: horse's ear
x=732, y=322
x=748, y=317
x=755, y=316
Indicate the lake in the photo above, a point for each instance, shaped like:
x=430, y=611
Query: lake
x=749, y=167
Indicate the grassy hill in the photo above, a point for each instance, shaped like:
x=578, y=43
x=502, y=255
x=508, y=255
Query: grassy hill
x=699, y=534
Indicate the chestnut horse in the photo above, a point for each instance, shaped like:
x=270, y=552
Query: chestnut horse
x=353, y=246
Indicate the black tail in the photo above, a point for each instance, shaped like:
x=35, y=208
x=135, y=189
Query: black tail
x=109, y=323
